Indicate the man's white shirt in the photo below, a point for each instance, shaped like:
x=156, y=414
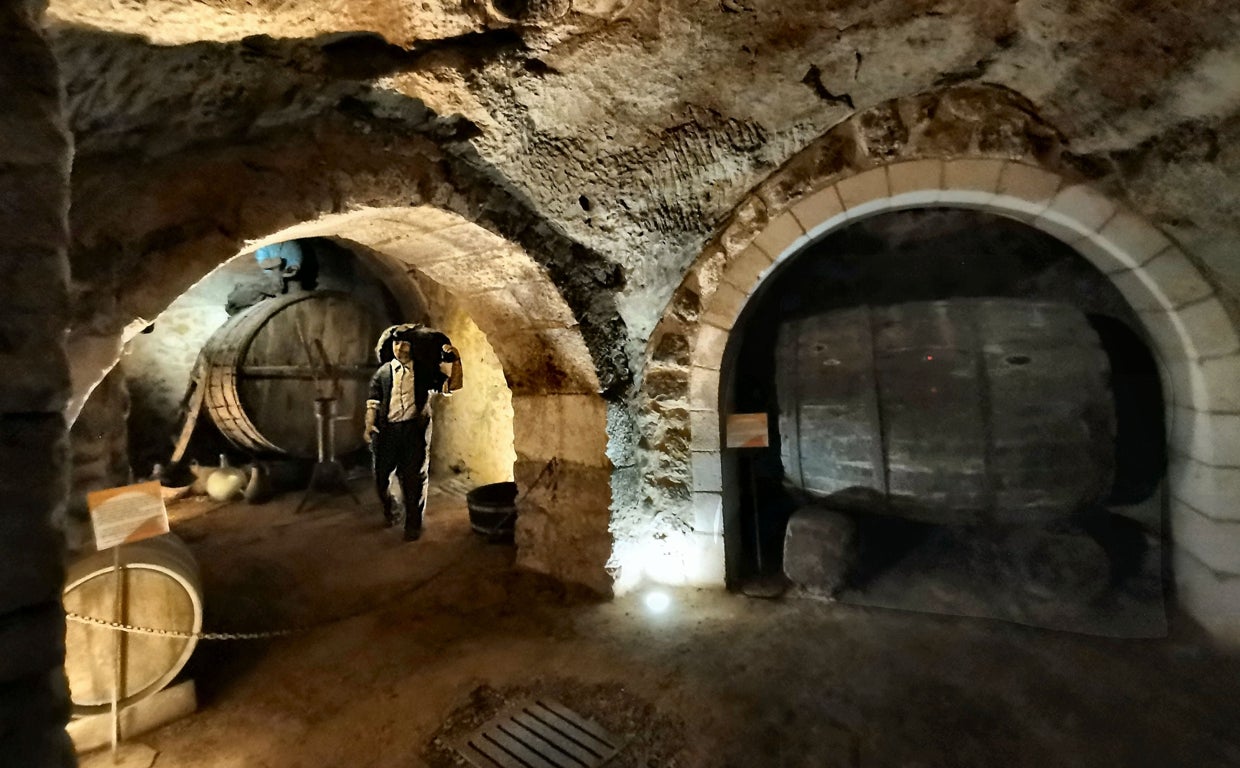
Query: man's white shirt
x=403, y=404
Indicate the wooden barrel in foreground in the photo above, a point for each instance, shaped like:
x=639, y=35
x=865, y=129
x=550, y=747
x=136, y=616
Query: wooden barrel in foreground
x=965, y=411
x=262, y=365
x=161, y=591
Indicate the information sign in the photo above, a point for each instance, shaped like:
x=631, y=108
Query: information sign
x=748, y=430
x=127, y=514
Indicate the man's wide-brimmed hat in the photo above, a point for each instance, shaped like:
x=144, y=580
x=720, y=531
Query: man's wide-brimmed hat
x=383, y=350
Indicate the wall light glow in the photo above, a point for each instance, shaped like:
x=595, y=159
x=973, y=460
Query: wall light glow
x=657, y=601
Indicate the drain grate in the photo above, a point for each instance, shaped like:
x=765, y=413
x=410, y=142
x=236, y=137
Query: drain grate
x=539, y=734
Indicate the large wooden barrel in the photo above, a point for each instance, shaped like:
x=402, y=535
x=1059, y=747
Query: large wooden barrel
x=260, y=380
x=161, y=591
x=958, y=412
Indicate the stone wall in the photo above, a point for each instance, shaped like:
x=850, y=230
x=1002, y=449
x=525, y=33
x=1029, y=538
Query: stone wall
x=947, y=155
x=612, y=144
x=34, y=197
x=99, y=451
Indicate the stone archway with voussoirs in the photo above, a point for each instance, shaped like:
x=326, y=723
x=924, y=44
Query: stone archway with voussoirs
x=559, y=417
x=1193, y=337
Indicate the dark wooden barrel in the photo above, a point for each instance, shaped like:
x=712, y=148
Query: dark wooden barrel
x=161, y=590
x=965, y=411
x=260, y=381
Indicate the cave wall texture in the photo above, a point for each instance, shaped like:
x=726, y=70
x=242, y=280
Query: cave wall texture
x=629, y=150
x=34, y=195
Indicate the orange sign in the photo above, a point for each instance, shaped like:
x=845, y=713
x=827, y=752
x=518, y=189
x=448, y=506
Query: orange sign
x=127, y=514
x=748, y=430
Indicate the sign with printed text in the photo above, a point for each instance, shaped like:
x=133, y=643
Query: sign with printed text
x=748, y=430
x=127, y=514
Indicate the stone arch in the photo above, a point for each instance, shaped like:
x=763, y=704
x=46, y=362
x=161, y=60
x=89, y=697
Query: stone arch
x=559, y=416
x=1191, y=332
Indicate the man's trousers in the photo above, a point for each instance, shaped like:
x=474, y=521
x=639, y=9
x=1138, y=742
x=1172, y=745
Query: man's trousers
x=403, y=447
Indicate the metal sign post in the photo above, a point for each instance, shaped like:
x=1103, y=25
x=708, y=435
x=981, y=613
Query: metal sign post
x=118, y=659
x=120, y=516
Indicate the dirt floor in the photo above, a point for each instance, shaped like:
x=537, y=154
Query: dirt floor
x=416, y=644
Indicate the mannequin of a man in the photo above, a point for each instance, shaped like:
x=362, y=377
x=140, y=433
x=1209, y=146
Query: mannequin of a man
x=416, y=363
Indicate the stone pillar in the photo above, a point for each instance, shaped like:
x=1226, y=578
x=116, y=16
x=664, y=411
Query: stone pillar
x=564, y=480
x=34, y=199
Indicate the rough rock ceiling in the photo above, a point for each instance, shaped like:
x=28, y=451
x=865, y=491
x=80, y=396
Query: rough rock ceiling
x=635, y=126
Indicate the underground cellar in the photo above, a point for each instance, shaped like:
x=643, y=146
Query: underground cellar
x=866, y=375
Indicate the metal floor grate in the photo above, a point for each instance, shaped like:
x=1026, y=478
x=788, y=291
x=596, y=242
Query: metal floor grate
x=539, y=734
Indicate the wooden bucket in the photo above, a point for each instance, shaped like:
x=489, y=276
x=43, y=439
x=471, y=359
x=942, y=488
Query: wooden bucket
x=260, y=382
x=162, y=591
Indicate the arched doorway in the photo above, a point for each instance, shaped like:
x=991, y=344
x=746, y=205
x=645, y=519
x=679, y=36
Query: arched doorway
x=969, y=420
x=1190, y=331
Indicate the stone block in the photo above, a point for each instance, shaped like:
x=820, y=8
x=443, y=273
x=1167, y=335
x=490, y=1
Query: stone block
x=705, y=431
x=865, y=193
x=1088, y=208
x=1212, y=491
x=1167, y=334
x=34, y=710
x=724, y=306
x=916, y=176
x=563, y=523
x=1135, y=239
x=36, y=281
x=1207, y=385
x=820, y=549
x=1029, y=188
x=923, y=198
x=468, y=275
x=708, y=513
x=546, y=361
x=1215, y=543
x=1211, y=438
x=1219, y=376
x=1063, y=228
x=745, y=271
x=1175, y=278
x=978, y=175
x=779, y=235
x=496, y=312
x=32, y=640
x=703, y=389
x=38, y=444
x=1209, y=597
x=706, y=561
x=1209, y=328
x=542, y=304
x=709, y=346
x=160, y=708
x=31, y=552
x=1139, y=290
x=707, y=471
x=969, y=198
x=36, y=138
x=1105, y=257
x=34, y=204
x=818, y=209
x=565, y=427
x=36, y=372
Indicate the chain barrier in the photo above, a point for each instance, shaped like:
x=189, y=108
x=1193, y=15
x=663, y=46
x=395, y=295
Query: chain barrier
x=120, y=626
x=180, y=634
